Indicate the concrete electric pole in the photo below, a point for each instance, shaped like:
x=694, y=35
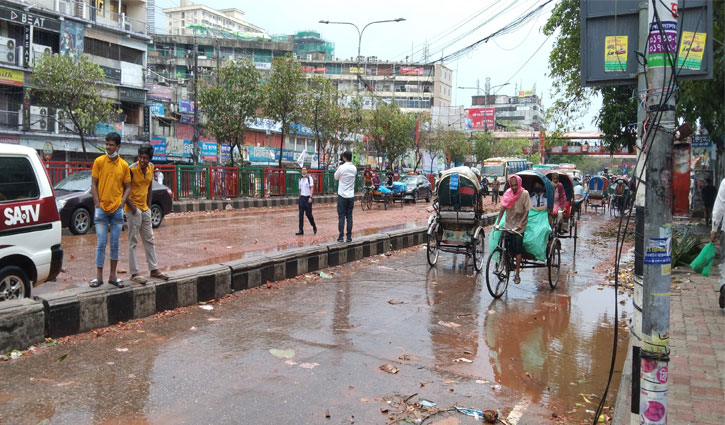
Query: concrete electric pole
x=660, y=101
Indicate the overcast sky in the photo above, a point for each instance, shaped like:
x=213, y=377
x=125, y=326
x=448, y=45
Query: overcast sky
x=446, y=26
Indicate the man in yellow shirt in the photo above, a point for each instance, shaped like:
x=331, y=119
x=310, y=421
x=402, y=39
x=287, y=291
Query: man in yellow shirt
x=142, y=174
x=110, y=186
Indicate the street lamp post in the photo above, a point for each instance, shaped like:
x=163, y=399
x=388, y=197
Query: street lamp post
x=360, y=34
x=359, y=43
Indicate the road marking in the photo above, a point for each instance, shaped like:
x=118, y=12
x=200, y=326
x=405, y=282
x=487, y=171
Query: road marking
x=518, y=411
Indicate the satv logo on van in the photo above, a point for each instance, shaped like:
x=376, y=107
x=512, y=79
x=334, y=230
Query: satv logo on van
x=22, y=214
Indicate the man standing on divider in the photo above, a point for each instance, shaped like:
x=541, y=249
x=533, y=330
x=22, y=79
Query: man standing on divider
x=345, y=174
x=110, y=187
x=139, y=215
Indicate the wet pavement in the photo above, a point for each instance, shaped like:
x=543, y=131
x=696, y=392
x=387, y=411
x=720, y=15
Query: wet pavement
x=201, y=238
x=289, y=352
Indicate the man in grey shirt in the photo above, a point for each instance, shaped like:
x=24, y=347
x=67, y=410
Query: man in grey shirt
x=345, y=174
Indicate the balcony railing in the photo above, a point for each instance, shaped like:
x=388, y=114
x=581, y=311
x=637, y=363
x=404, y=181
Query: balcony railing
x=99, y=16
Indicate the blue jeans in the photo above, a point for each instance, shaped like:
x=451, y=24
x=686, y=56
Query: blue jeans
x=344, y=211
x=103, y=220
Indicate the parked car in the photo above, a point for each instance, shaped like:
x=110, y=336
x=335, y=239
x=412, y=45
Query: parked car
x=75, y=202
x=30, y=232
x=418, y=187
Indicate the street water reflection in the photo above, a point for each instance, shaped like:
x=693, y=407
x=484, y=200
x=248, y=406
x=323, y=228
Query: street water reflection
x=288, y=353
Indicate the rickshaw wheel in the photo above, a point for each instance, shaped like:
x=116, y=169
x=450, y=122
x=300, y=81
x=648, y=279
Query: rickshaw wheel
x=553, y=262
x=370, y=200
x=477, y=249
x=497, y=273
x=364, y=202
x=433, y=244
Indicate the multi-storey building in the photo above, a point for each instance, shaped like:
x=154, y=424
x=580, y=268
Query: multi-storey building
x=415, y=87
x=179, y=19
x=113, y=34
x=521, y=112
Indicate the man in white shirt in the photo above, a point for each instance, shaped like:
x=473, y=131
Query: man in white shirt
x=718, y=227
x=345, y=174
x=305, y=201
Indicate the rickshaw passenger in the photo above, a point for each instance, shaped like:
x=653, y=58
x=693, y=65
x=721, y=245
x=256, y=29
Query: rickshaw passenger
x=538, y=200
x=560, y=201
x=516, y=204
x=375, y=180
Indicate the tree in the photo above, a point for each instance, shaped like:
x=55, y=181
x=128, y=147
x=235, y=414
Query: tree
x=71, y=85
x=510, y=146
x=231, y=102
x=325, y=116
x=390, y=130
x=615, y=117
x=283, y=95
x=483, y=145
x=458, y=147
x=434, y=143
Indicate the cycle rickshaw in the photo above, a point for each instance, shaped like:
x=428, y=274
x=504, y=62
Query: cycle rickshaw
x=598, y=193
x=457, y=225
x=569, y=223
x=500, y=263
x=381, y=195
x=619, y=203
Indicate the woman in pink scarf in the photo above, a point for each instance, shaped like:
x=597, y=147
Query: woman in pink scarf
x=516, y=204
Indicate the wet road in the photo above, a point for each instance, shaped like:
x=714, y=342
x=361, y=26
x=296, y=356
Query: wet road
x=200, y=238
x=288, y=353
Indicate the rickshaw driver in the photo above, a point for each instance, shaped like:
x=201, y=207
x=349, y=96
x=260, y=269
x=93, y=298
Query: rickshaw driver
x=368, y=176
x=619, y=192
x=516, y=204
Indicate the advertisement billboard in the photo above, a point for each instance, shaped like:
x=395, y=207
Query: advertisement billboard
x=186, y=106
x=159, y=144
x=411, y=70
x=480, y=118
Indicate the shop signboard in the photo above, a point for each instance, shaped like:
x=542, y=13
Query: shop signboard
x=186, y=106
x=159, y=144
x=162, y=93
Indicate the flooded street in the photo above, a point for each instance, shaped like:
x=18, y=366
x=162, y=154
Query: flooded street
x=291, y=352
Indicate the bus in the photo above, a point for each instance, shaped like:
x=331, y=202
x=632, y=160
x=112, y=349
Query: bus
x=501, y=168
x=571, y=170
x=546, y=167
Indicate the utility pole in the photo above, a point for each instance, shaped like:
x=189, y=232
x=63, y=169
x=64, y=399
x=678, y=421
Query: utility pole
x=636, y=328
x=654, y=377
x=195, y=140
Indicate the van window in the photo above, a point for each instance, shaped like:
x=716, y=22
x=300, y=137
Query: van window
x=17, y=181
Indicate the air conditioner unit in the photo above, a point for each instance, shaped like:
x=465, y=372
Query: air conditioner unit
x=40, y=50
x=127, y=26
x=8, y=51
x=39, y=118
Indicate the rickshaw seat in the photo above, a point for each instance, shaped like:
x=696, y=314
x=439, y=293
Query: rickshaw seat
x=457, y=217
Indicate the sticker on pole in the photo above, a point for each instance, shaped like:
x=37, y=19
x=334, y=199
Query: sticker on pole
x=658, y=251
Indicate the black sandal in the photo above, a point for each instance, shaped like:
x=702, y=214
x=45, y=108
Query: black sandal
x=118, y=283
x=95, y=283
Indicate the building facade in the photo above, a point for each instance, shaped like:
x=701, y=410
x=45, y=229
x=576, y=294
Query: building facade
x=415, y=87
x=521, y=112
x=112, y=34
x=179, y=19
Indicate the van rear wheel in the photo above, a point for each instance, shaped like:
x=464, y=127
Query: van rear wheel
x=14, y=283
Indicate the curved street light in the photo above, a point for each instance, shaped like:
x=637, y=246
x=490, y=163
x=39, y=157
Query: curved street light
x=359, y=31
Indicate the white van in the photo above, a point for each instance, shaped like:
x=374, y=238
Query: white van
x=30, y=231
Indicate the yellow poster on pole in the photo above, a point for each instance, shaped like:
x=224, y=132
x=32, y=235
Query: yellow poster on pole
x=615, y=53
x=691, y=49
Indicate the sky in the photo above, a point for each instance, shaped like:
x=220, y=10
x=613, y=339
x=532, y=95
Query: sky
x=519, y=58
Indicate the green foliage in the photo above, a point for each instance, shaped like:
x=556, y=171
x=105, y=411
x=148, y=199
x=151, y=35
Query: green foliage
x=391, y=131
x=325, y=116
x=685, y=248
x=434, y=143
x=572, y=100
x=231, y=102
x=510, y=147
x=483, y=146
x=457, y=146
x=618, y=117
x=71, y=85
x=284, y=94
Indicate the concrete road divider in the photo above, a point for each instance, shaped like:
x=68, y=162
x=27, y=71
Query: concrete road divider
x=63, y=313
